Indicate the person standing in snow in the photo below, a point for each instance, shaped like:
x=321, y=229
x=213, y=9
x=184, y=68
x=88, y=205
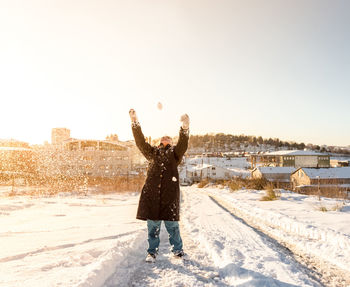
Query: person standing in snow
x=160, y=196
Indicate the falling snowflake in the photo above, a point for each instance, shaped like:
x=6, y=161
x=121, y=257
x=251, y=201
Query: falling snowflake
x=174, y=178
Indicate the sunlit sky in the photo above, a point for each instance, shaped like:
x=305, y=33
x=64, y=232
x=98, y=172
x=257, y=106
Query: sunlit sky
x=265, y=68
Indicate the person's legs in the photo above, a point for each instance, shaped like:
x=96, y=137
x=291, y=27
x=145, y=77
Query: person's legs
x=174, y=235
x=153, y=235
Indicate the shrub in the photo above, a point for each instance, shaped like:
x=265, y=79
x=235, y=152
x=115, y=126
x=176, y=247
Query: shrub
x=203, y=183
x=338, y=207
x=323, y=208
x=257, y=183
x=248, y=183
x=270, y=193
x=234, y=185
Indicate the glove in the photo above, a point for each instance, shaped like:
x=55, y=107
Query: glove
x=185, y=121
x=133, y=116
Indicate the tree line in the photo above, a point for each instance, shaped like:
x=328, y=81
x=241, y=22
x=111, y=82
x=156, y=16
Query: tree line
x=223, y=142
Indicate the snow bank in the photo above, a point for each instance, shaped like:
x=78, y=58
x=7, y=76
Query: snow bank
x=297, y=220
x=243, y=257
x=114, y=261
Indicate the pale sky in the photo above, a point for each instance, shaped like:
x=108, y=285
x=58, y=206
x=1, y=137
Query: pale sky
x=266, y=68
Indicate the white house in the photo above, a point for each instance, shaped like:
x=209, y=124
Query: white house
x=208, y=171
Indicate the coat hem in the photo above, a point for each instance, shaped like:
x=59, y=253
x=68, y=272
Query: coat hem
x=158, y=219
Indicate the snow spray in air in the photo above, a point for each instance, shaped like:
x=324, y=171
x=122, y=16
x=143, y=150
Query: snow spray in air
x=162, y=121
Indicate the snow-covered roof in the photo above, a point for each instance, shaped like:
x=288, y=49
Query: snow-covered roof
x=293, y=152
x=277, y=169
x=201, y=166
x=335, y=172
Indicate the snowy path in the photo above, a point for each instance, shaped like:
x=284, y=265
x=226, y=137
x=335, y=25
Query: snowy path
x=223, y=251
x=168, y=271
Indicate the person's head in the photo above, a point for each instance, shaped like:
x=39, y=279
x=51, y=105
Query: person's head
x=165, y=140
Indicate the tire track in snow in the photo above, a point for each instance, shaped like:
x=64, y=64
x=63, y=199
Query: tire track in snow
x=63, y=246
x=283, y=250
x=243, y=256
x=169, y=271
x=196, y=270
x=319, y=271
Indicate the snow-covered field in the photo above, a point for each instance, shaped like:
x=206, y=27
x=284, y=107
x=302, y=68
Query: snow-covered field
x=317, y=227
x=95, y=240
x=65, y=241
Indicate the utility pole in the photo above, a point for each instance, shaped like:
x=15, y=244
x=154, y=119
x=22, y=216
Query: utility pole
x=202, y=169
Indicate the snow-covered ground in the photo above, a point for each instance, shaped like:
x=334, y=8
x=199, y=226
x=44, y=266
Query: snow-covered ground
x=318, y=229
x=65, y=241
x=95, y=240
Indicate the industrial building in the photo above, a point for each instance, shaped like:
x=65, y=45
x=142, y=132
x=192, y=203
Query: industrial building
x=291, y=158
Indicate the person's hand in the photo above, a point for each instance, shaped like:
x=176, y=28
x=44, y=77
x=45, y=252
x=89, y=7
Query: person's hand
x=185, y=119
x=133, y=116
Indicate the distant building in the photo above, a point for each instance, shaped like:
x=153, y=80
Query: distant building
x=291, y=158
x=211, y=172
x=339, y=162
x=59, y=135
x=278, y=175
x=307, y=179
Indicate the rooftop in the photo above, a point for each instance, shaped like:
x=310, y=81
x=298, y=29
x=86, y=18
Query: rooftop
x=199, y=167
x=278, y=169
x=293, y=152
x=335, y=172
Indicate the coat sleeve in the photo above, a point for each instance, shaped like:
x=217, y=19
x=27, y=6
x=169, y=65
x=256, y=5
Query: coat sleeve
x=145, y=148
x=181, y=145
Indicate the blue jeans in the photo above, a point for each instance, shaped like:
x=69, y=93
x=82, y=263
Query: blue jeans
x=153, y=235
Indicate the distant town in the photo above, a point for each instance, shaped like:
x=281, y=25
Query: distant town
x=304, y=168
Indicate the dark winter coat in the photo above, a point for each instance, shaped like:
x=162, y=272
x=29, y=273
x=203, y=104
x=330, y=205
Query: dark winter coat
x=160, y=196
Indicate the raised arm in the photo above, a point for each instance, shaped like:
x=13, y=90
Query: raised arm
x=145, y=148
x=182, y=143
